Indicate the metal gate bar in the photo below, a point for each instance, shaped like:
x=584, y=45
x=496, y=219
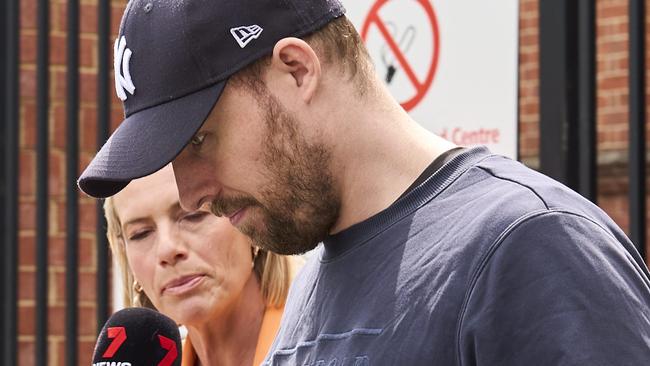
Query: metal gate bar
x=72, y=162
x=42, y=176
x=103, y=119
x=637, y=131
x=587, y=153
x=11, y=122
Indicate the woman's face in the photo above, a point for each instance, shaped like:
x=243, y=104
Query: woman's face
x=192, y=265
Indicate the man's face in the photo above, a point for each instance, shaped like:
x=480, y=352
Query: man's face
x=251, y=163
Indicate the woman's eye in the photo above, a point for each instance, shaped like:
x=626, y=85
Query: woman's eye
x=197, y=139
x=195, y=217
x=139, y=235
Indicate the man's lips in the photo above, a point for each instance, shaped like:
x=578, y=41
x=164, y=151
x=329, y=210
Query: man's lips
x=236, y=216
x=182, y=284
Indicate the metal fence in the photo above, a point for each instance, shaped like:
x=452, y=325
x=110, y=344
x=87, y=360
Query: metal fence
x=9, y=107
x=567, y=104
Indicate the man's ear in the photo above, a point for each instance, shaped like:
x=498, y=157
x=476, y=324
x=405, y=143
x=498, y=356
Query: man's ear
x=296, y=57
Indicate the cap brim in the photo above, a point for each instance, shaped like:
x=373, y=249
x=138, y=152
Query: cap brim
x=147, y=141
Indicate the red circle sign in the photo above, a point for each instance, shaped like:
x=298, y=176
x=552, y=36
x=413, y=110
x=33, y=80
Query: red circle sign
x=420, y=87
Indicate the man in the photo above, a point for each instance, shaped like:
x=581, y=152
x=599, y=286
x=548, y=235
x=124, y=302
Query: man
x=432, y=254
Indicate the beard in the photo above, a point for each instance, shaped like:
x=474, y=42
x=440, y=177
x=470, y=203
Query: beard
x=299, y=203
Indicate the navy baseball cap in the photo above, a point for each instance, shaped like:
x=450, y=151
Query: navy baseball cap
x=172, y=61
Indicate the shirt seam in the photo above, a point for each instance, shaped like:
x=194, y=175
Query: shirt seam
x=490, y=172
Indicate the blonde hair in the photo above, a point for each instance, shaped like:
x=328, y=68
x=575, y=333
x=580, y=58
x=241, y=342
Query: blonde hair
x=272, y=270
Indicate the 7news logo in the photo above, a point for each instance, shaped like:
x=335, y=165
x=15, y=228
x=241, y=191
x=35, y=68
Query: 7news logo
x=119, y=336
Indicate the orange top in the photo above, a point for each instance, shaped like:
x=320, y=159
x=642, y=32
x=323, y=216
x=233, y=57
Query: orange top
x=268, y=330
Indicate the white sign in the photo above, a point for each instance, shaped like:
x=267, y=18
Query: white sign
x=453, y=65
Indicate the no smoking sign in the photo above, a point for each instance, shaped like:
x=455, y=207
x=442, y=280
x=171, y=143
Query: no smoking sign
x=404, y=41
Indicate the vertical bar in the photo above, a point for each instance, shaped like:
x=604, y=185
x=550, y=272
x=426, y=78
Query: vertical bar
x=3, y=169
x=558, y=84
x=72, y=161
x=42, y=105
x=10, y=243
x=103, y=118
x=637, y=126
x=587, y=99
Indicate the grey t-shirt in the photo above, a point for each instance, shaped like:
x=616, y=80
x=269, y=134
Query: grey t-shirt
x=485, y=263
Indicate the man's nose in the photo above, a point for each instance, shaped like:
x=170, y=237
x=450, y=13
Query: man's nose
x=187, y=184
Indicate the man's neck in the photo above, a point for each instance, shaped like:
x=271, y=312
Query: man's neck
x=379, y=161
x=230, y=338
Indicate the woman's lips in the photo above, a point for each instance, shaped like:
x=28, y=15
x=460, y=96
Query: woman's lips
x=182, y=284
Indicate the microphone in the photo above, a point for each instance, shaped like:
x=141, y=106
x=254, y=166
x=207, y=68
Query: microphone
x=138, y=337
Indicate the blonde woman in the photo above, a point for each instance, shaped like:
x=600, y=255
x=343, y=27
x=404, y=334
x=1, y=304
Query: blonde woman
x=197, y=269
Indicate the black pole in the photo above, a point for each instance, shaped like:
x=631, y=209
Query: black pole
x=103, y=118
x=637, y=151
x=10, y=272
x=587, y=154
x=42, y=105
x=5, y=172
x=72, y=161
x=558, y=90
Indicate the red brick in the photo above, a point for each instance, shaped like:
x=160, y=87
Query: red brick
x=88, y=129
x=116, y=16
x=88, y=19
x=87, y=321
x=88, y=87
x=27, y=82
x=58, y=353
x=28, y=14
x=86, y=349
x=87, y=52
x=58, y=86
x=27, y=48
x=87, y=216
x=27, y=181
x=57, y=174
x=27, y=216
x=26, y=320
x=26, y=353
x=58, y=21
x=58, y=123
x=26, y=285
x=27, y=250
x=57, y=252
x=28, y=129
x=56, y=318
x=58, y=49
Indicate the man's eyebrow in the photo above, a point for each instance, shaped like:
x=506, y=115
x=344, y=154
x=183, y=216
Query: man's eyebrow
x=174, y=208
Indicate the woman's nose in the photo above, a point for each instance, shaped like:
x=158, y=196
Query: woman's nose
x=171, y=247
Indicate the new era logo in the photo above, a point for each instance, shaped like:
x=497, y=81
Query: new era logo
x=243, y=35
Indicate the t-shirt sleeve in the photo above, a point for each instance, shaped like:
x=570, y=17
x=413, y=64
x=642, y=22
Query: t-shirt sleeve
x=558, y=289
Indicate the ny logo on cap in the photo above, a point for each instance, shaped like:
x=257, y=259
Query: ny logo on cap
x=243, y=35
x=122, y=78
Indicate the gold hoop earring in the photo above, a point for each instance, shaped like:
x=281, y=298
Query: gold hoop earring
x=255, y=251
x=137, y=287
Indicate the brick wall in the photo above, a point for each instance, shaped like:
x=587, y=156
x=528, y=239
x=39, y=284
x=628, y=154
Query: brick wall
x=612, y=147
x=57, y=185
